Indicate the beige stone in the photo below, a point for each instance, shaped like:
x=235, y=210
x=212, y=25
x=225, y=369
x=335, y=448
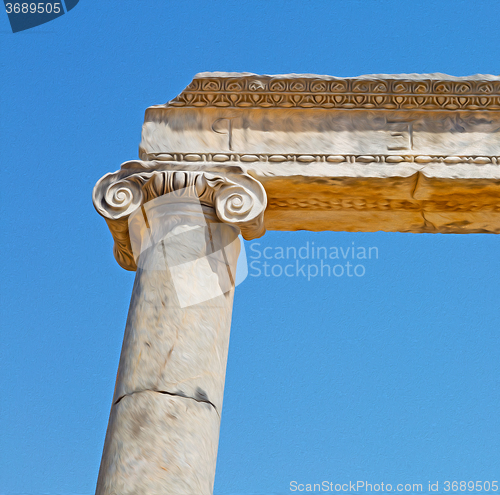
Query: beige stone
x=157, y=444
x=356, y=154
x=164, y=423
x=242, y=153
x=379, y=152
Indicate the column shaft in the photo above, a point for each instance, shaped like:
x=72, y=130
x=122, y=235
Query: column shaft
x=163, y=430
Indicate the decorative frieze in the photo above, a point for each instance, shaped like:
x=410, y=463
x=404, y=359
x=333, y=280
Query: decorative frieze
x=423, y=92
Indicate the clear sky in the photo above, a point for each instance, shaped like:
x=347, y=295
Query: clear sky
x=391, y=377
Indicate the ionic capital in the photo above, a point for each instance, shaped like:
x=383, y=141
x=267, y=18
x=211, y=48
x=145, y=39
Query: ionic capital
x=237, y=198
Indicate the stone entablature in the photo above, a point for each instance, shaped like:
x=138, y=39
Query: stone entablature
x=408, y=153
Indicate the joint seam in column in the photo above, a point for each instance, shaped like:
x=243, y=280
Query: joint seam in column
x=171, y=394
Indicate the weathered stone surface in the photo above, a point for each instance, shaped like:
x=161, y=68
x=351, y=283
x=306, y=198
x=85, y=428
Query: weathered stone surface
x=355, y=154
x=237, y=198
x=174, y=349
x=157, y=444
x=164, y=423
x=409, y=153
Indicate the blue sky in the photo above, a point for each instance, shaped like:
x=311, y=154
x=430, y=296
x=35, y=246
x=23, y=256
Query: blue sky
x=391, y=377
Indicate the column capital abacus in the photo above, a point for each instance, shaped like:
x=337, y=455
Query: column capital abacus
x=237, y=198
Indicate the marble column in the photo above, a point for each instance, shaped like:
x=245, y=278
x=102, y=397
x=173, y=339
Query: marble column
x=164, y=424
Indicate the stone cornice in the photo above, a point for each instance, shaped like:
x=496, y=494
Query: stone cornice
x=426, y=92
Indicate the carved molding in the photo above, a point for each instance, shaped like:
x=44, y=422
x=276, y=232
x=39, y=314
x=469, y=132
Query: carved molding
x=321, y=158
x=237, y=198
x=423, y=92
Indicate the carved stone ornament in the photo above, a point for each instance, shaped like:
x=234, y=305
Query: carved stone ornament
x=237, y=198
x=394, y=153
x=390, y=92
